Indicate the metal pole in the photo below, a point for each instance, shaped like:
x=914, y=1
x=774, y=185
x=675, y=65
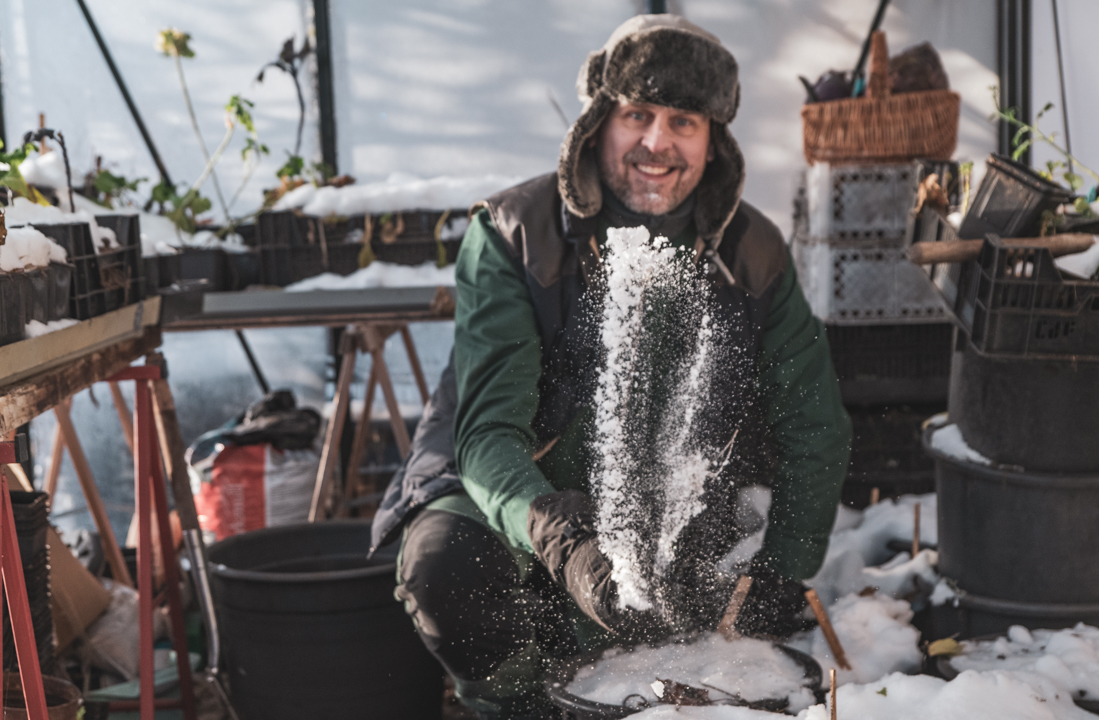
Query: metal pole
x=252, y=361
x=656, y=7
x=1013, y=56
x=326, y=99
x=125, y=94
x=1061, y=78
x=3, y=128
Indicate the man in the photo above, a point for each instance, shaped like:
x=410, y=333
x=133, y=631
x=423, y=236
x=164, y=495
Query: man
x=501, y=568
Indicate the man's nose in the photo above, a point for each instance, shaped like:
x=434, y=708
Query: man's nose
x=657, y=137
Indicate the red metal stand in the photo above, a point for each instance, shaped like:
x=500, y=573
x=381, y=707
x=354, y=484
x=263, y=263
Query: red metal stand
x=149, y=494
x=15, y=589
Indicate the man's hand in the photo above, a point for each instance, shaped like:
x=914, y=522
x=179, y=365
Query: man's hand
x=774, y=607
x=562, y=529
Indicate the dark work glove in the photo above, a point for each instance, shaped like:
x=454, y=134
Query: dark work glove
x=561, y=526
x=775, y=606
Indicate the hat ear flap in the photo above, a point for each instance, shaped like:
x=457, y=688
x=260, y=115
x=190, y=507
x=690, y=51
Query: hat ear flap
x=591, y=75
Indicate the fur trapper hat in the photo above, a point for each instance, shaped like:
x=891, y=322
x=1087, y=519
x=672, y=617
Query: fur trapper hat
x=661, y=60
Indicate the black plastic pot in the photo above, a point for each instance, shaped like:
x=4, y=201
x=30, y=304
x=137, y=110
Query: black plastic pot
x=311, y=627
x=1042, y=415
x=577, y=708
x=11, y=309
x=60, y=278
x=1021, y=542
x=1010, y=201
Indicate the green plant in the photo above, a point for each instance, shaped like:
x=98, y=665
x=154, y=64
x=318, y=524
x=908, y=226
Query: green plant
x=1025, y=136
x=110, y=188
x=12, y=179
x=183, y=210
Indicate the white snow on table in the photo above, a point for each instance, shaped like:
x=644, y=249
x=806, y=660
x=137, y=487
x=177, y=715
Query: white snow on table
x=970, y=696
x=36, y=329
x=399, y=192
x=27, y=248
x=1069, y=658
x=753, y=669
x=380, y=274
x=949, y=441
x=876, y=635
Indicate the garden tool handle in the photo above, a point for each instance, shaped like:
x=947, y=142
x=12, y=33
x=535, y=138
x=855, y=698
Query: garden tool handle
x=926, y=253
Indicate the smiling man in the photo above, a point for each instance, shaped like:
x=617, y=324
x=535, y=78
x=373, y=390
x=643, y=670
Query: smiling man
x=501, y=568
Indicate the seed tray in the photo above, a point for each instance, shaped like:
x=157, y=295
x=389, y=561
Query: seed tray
x=103, y=281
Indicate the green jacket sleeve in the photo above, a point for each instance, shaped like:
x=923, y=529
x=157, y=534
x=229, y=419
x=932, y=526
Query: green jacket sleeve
x=812, y=430
x=498, y=363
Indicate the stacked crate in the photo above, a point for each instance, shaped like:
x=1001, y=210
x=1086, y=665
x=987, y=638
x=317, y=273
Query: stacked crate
x=888, y=332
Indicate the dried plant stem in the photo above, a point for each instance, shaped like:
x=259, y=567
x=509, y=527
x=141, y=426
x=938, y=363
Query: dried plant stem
x=198, y=134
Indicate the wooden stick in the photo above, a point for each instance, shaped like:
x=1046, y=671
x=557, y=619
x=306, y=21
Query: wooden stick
x=91, y=495
x=414, y=361
x=916, y=530
x=827, y=629
x=832, y=690
x=926, y=253
x=172, y=449
x=18, y=477
x=57, y=454
x=727, y=627
x=123, y=415
x=374, y=340
x=330, y=453
x=875, y=495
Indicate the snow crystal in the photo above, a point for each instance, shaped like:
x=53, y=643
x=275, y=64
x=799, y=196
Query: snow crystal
x=753, y=669
x=27, y=248
x=970, y=696
x=1069, y=658
x=648, y=459
x=380, y=274
x=35, y=329
x=399, y=192
x=949, y=441
x=876, y=635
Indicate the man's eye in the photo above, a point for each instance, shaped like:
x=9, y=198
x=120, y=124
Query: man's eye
x=636, y=115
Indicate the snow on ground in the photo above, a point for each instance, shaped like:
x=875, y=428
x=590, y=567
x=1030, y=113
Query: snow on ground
x=753, y=669
x=26, y=248
x=400, y=191
x=380, y=274
x=1069, y=657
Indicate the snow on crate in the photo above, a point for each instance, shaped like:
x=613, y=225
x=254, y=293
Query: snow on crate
x=949, y=441
x=380, y=274
x=26, y=248
x=398, y=193
x=24, y=212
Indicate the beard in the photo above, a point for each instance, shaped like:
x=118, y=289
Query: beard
x=643, y=196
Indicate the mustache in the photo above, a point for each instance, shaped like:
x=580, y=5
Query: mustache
x=643, y=156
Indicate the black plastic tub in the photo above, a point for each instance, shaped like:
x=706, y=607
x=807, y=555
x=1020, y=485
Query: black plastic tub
x=573, y=707
x=1010, y=201
x=1042, y=415
x=1019, y=543
x=311, y=628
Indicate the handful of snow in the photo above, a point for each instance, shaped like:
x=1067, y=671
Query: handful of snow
x=753, y=669
x=27, y=248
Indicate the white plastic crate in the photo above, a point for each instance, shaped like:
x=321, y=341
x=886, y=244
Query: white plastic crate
x=851, y=285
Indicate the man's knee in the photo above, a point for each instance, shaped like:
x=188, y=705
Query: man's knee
x=462, y=588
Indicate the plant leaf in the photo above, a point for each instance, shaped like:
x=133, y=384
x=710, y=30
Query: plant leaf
x=947, y=647
x=1020, y=149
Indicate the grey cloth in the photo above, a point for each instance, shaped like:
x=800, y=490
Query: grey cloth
x=430, y=472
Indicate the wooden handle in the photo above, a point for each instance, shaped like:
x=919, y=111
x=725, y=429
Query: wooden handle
x=727, y=627
x=926, y=253
x=827, y=629
x=877, y=84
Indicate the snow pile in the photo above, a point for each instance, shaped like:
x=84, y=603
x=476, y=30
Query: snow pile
x=860, y=541
x=24, y=212
x=657, y=335
x=671, y=712
x=949, y=441
x=380, y=274
x=876, y=636
x=970, y=696
x=36, y=329
x=1083, y=264
x=45, y=171
x=27, y=248
x=753, y=669
x=1068, y=658
x=399, y=192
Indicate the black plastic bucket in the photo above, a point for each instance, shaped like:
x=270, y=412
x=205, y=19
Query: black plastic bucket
x=1018, y=540
x=573, y=707
x=1042, y=415
x=311, y=628
x=1010, y=201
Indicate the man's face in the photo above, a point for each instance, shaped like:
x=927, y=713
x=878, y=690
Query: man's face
x=652, y=156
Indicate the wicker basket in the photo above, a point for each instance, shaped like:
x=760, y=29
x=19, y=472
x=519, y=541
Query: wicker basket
x=882, y=127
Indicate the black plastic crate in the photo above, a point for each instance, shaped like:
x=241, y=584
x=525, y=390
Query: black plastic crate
x=102, y=281
x=207, y=264
x=242, y=269
x=60, y=291
x=1010, y=201
x=11, y=309
x=126, y=228
x=902, y=363
x=1013, y=302
x=152, y=274
x=886, y=452
x=36, y=295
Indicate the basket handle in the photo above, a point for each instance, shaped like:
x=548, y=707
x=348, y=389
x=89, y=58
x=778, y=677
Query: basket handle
x=877, y=86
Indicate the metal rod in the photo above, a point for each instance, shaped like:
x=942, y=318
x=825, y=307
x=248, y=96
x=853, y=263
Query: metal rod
x=656, y=7
x=252, y=361
x=125, y=94
x=865, y=52
x=326, y=96
x=1061, y=78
